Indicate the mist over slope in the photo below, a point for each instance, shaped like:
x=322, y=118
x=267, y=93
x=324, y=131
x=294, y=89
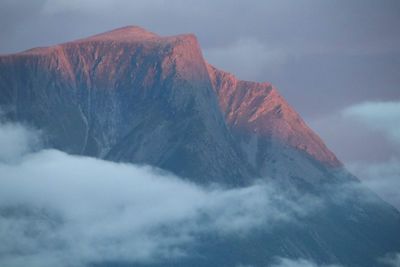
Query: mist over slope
x=64, y=210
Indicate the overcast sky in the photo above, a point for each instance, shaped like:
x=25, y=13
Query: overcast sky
x=336, y=62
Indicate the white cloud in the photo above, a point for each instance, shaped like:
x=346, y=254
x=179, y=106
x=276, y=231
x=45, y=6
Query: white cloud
x=391, y=259
x=382, y=177
x=16, y=140
x=379, y=116
x=366, y=136
x=61, y=210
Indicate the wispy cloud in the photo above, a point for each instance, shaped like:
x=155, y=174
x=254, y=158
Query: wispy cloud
x=380, y=116
x=17, y=140
x=391, y=259
x=286, y=262
x=383, y=117
x=381, y=177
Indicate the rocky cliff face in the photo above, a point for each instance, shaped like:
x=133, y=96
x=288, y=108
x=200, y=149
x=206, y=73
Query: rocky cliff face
x=130, y=95
x=127, y=95
x=258, y=109
x=269, y=131
x=96, y=95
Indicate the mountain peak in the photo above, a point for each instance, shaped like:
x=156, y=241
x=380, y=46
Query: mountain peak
x=127, y=33
x=254, y=110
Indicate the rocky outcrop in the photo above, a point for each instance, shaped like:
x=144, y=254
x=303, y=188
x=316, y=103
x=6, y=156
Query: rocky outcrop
x=275, y=139
x=258, y=109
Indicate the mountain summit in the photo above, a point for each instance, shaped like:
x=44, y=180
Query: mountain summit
x=123, y=69
x=127, y=34
x=129, y=95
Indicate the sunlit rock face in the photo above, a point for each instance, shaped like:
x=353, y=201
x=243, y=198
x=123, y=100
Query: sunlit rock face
x=126, y=95
x=130, y=95
x=258, y=109
x=269, y=131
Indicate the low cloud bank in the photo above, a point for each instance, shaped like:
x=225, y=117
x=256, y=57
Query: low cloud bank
x=62, y=210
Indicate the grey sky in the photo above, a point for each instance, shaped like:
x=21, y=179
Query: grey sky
x=324, y=56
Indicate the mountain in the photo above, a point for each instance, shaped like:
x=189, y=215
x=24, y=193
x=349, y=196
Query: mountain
x=126, y=95
x=130, y=95
x=269, y=131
